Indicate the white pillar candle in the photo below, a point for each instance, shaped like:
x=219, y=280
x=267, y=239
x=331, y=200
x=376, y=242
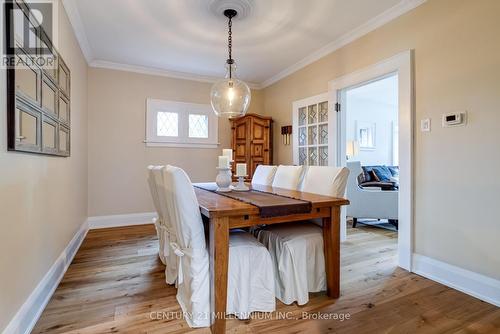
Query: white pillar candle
x=223, y=161
x=241, y=169
x=228, y=153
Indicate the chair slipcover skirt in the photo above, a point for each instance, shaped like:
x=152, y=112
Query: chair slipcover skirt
x=250, y=276
x=299, y=262
x=250, y=271
x=250, y=280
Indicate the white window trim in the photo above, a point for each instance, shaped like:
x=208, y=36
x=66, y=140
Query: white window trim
x=153, y=106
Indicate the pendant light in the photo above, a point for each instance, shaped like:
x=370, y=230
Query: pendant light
x=230, y=97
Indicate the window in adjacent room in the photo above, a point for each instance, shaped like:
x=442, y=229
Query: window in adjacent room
x=179, y=124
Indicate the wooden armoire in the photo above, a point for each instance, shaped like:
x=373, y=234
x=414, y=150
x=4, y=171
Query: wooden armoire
x=252, y=141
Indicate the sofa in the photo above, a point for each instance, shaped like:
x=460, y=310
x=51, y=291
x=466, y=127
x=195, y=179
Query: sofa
x=372, y=197
x=383, y=177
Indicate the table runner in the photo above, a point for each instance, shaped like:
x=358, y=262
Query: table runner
x=270, y=205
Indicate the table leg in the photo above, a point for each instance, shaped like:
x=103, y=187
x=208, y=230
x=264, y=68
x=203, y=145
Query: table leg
x=219, y=260
x=331, y=245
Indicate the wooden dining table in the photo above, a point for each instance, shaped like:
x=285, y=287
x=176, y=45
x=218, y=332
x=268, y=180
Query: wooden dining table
x=226, y=213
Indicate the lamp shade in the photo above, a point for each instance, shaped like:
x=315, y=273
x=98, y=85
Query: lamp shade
x=352, y=148
x=230, y=97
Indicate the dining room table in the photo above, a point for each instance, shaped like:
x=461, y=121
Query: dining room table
x=226, y=211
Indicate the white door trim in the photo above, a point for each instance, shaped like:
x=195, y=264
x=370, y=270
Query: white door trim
x=402, y=64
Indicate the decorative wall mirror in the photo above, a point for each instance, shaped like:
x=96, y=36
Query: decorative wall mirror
x=38, y=87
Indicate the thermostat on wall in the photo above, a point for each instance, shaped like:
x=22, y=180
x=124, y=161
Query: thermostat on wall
x=454, y=119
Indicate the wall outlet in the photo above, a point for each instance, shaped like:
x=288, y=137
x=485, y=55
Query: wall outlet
x=425, y=125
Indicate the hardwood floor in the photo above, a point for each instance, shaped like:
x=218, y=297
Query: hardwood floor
x=116, y=283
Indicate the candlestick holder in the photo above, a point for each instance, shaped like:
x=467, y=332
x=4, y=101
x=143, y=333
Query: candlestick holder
x=223, y=179
x=241, y=186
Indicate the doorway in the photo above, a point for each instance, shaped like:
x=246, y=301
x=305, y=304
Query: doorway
x=399, y=71
x=371, y=135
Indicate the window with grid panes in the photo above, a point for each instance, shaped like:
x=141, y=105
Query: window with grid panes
x=179, y=124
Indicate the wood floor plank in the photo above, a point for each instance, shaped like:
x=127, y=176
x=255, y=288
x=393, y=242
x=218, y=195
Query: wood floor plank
x=116, y=284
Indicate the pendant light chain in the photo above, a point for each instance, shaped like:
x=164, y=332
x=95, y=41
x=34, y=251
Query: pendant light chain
x=230, y=46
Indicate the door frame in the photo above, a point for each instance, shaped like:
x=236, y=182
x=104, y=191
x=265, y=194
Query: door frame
x=403, y=65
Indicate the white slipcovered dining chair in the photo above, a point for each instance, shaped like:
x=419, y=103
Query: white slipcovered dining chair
x=250, y=273
x=288, y=177
x=157, y=221
x=297, y=248
x=264, y=175
x=166, y=228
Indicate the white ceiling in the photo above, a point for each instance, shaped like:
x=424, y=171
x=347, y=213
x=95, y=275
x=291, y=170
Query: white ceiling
x=188, y=38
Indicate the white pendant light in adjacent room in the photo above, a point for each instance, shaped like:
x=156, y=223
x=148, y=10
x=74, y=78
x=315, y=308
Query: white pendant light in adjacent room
x=230, y=97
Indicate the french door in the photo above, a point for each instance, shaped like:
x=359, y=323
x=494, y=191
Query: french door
x=313, y=121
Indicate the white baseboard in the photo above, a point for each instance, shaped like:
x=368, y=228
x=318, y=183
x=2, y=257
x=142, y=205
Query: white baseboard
x=121, y=220
x=27, y=316
x=471, y=283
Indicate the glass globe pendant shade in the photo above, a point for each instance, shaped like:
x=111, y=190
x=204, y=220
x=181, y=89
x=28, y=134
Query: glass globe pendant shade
x=230, y=97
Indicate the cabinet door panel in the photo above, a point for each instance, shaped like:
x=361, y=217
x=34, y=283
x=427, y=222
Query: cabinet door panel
x=260, y=142
x=241, y=151
x=251, y=141
x=259, y=130
x=241, y=131
x=258, y=150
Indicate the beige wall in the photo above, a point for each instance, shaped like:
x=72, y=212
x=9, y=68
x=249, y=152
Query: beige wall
x=457, y=65
x=117, y=155
x=43, y=200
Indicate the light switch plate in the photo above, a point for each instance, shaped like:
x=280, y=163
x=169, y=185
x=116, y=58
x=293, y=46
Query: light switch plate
x=425, y=125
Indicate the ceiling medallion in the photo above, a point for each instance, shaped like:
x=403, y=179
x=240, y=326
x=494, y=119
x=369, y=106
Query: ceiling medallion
x=243, y=7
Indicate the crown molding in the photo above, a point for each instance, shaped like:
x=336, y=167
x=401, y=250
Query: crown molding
x=392, y=13
x=77, y=24
x=160, y=72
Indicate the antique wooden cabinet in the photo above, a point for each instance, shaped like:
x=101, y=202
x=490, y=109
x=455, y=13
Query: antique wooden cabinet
x=252, y=141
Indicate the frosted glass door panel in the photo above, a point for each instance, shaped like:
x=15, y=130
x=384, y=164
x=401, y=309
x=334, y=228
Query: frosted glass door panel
x=313, y=134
